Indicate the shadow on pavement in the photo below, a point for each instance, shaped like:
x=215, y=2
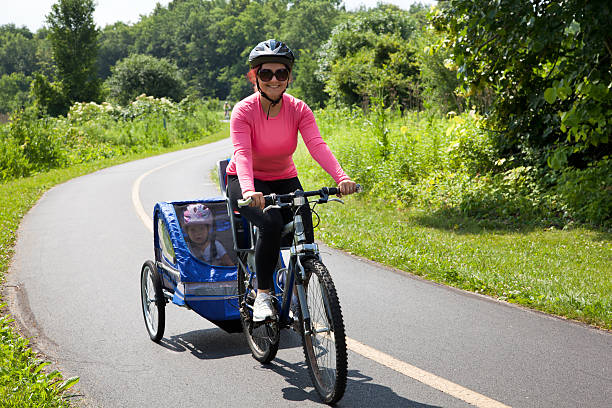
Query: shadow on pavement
x=360, y=391
x=215, y=343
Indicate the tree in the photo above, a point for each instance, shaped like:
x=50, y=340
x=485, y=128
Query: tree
x=306, y=26
x=438, y=76
x=74, y=36
x=17, y=50
x=114, y=43
x=140, y=74
x=549, y=66
x=14, y=91
x=49, y=97
x=369, y=56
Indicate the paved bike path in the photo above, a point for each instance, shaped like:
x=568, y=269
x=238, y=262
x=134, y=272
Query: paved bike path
x=77, y=266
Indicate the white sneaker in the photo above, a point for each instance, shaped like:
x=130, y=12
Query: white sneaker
x=262, y=308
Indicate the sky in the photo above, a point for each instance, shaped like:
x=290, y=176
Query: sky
x=32, y=13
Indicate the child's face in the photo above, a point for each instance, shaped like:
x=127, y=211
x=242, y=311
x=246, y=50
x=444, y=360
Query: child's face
x=198, y=233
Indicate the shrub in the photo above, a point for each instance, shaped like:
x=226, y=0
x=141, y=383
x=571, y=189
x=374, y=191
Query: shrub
x=92, y=131
x=143, y=74
x=14, y=91
x=49, y=97
x=452, y=166
x=587, y=193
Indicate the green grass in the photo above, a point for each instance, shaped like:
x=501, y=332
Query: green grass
x=566, y=273
x=23, y=381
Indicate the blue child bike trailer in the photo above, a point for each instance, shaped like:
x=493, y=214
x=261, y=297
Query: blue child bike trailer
x=205, y=286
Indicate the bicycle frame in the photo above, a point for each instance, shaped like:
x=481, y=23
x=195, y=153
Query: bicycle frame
x=300, y=247
x=294, y=275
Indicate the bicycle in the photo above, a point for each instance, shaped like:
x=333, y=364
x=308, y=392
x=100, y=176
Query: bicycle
x=306, y=301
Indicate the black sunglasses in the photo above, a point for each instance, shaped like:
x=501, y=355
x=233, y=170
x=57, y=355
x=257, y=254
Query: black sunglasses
x=267, y=74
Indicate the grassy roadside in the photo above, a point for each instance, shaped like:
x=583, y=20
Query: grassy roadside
x=437, y=205
x=23, y=381
x=563, y=272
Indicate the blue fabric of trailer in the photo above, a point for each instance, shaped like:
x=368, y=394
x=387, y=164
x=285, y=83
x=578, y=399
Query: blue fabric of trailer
x=210, y=290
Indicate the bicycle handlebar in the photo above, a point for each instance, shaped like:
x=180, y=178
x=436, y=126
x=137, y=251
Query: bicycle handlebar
x=273, y=199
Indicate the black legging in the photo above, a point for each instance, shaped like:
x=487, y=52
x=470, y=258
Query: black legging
x=270, y=224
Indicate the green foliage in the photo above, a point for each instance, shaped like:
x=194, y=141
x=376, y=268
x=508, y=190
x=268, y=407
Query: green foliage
x=114, y=43
x=587, y=193
x=307, y=86
x=306, y=27
x=451, y=167
x=73, y=35
x=17, y=50
x=443, y=206
x=39, y=148
x=49, y=97
x=210, y=40
x=370, y=56
x=14, y=91
x=92, y=132
x=437, y=77
x=24, y=379
x=144, y=74
x=549, y=66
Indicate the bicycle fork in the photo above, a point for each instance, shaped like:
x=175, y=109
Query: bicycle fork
x=299, y=285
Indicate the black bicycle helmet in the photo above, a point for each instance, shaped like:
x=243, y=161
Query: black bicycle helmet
x=271, y=51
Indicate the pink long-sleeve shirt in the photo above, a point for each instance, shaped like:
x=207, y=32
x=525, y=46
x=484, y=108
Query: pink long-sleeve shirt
x=263, y=149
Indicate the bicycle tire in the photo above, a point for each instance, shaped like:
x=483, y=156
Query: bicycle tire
x=324, y=351
x=152, y=301
x=263, y=339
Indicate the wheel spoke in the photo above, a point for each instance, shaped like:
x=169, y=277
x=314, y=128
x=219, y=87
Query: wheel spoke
x=325, y=357
x=322, y=338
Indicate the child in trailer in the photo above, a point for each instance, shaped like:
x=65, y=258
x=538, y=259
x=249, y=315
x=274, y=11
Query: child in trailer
x=198, y=226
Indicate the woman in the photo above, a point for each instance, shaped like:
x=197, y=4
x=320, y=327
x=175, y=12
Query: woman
x=264, y=130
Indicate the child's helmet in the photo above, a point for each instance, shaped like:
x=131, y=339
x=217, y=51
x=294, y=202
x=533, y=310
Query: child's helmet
x=271, y=51
x=197, y=214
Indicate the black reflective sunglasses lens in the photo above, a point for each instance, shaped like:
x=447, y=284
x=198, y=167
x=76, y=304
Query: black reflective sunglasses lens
x=280, y=74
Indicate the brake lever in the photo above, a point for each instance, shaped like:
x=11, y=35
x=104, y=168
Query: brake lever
x=336, y=199
x=265, y=210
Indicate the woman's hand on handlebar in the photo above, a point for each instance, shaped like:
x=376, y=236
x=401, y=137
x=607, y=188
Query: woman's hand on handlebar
x=347, y=187
x=257, y=199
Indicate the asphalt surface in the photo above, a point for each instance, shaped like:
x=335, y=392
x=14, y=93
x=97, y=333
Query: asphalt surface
x=74, y=287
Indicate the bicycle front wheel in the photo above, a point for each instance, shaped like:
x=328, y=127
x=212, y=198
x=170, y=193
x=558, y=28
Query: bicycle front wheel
x=263, y=338
x=324, y=340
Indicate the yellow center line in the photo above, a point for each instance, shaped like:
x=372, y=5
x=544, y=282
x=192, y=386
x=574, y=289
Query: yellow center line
x=425, y=377
x=142, y=214
x=420, y=375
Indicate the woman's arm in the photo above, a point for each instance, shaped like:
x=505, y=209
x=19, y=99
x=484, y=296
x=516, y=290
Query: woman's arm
x=240, y=132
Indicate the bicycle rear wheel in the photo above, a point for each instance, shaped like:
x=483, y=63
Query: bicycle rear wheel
x=262, y=338
x=324, y=341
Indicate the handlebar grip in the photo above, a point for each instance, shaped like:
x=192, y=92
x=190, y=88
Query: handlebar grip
x=244, y=203
x=335, y=190
x=268, y=200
